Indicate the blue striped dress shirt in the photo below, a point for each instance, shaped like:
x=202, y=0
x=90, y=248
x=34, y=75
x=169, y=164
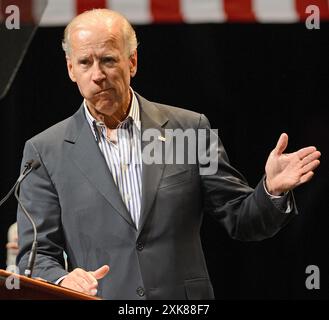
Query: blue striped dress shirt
x=123, y=155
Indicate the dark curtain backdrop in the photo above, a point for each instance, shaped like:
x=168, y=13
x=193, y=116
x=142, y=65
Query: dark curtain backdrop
x=253, y=82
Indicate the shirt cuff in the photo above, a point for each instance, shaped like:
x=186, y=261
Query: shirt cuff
x=59, y=280
x=283, y=202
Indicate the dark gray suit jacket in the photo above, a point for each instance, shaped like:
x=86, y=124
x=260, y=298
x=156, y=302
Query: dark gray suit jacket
x=77, y=208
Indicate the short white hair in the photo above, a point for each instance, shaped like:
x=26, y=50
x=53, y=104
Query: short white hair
x=97, y=16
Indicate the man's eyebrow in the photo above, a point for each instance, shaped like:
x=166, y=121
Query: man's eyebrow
x=108, y=55
x=83, y=56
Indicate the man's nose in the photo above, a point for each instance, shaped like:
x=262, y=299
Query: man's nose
x=98, y=74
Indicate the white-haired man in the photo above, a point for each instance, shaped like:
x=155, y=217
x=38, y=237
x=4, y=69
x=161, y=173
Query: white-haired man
x=131, y=229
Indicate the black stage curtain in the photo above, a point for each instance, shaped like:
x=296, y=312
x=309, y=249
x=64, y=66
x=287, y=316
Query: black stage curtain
x=253, y=81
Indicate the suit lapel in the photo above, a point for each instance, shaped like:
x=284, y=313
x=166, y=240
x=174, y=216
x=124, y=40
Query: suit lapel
x=87, y=156
x=151, y=118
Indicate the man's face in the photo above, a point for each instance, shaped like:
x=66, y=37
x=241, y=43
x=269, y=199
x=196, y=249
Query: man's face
x=100, y=65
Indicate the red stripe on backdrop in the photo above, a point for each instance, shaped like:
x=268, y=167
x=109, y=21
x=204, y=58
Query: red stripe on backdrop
x=83, y=5
x=239, y=10
x=166, y=11
x=323, y=6
x=25, y=9
x=3, y=13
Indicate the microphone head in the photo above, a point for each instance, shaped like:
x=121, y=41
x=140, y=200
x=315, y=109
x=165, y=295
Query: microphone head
x=35, y=164
x=28, y=163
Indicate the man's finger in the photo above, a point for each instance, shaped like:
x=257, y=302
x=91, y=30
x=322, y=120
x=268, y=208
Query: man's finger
x=83, y=284
x=101, y=272
x=302, y=153
x=77, y=287
x=281, y=144
x=311, y=157
x=310, y=166
x=80, y=280
x=89, y=278
x=306, y=177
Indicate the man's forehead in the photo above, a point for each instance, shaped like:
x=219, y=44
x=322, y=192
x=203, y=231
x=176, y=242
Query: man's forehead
x=109, y=26
x=83, y=38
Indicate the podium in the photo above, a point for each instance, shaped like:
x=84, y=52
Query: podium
x=17, y=287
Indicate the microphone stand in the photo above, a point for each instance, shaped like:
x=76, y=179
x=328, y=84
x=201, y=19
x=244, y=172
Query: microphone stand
x=29, y=166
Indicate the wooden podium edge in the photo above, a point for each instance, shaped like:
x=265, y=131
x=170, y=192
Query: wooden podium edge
x=39, y=288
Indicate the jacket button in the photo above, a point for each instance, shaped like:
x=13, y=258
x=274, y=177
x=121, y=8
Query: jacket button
x=140, y=291
x=140, y=246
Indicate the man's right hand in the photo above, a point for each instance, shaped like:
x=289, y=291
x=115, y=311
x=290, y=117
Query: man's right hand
x=84, y=281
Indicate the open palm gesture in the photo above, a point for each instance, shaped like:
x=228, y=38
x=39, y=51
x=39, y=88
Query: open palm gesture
x=285, y=171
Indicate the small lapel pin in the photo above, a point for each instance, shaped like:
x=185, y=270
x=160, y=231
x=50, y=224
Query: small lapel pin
x=161, y=138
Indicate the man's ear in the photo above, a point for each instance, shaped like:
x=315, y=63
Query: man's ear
x=133, y=64
x=70, y=68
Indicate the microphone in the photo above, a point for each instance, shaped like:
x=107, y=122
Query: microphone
x=20, y=178
x=29, y=166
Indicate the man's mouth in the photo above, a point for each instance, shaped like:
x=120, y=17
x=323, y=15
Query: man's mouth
x=104, y=90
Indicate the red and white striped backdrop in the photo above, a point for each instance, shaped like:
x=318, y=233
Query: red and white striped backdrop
x=60, y=12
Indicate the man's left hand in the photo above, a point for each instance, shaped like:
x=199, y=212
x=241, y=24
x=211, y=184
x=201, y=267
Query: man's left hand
x=285, y=171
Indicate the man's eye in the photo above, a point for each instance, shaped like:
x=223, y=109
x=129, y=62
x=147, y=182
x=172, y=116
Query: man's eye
x=108, y=60
x=84, y=62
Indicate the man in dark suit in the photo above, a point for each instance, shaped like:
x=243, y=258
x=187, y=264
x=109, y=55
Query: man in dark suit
x=131, y=227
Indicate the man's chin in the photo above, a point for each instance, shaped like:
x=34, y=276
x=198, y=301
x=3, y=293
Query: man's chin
x=105, y=107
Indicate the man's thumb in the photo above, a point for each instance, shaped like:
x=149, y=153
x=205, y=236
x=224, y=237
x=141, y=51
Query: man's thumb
x=100, y=272
x=282, y=144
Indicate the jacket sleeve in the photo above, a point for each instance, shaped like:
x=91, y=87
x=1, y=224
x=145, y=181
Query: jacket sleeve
x=39, y=197
x=247, y=214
